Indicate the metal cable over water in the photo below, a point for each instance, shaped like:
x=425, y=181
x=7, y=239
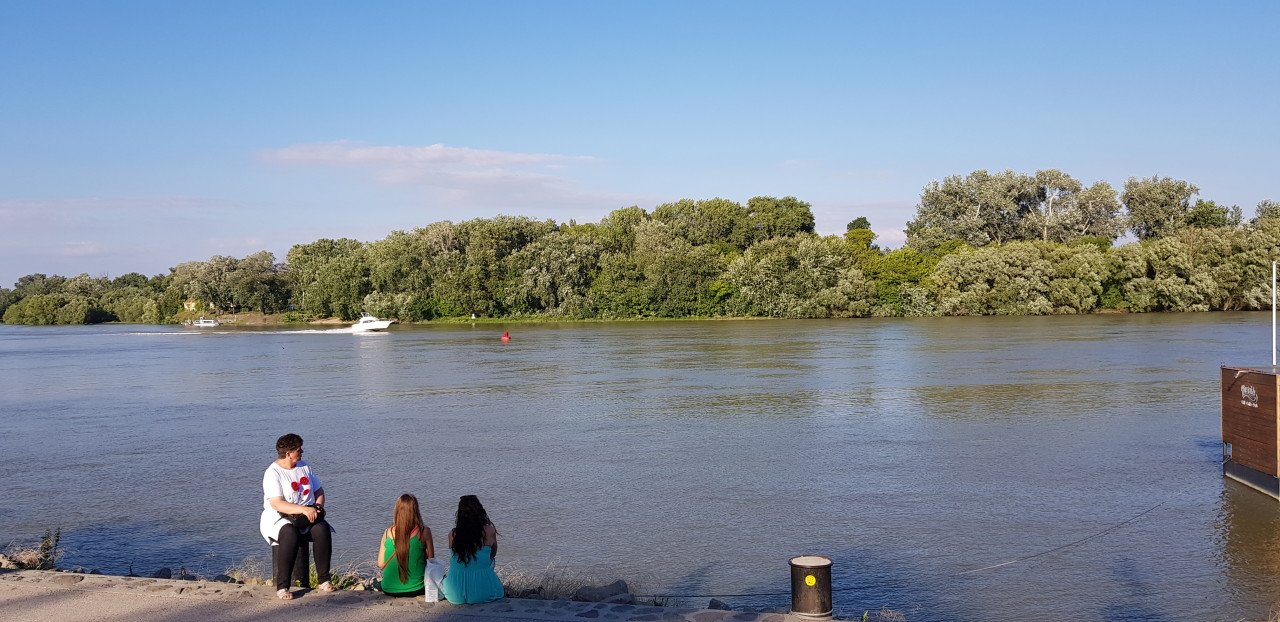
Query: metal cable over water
x=1011, y=562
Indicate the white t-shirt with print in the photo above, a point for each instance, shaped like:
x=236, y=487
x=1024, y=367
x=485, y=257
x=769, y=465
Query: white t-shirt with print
x=297, y=485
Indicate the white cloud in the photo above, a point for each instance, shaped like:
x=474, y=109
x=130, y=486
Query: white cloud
x=430, y=157
x=470, y=180
x=81, y=249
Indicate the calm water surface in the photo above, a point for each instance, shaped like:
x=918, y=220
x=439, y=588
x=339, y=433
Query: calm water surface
x=690, y=457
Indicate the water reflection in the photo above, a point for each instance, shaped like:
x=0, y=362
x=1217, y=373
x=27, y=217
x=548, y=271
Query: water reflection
x=1249, y=522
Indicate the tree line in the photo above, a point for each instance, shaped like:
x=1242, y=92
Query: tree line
x=986, y=243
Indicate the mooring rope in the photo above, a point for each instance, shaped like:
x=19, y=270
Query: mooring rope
x=1071, y=544
x=1068, y=545
x=754, y=594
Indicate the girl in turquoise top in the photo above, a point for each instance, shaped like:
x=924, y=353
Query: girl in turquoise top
x=404, y=550
x=474, y=540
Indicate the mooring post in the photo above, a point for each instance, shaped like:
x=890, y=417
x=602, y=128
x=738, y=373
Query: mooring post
x=811, y=586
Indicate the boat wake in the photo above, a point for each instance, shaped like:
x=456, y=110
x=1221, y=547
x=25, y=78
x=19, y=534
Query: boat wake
x=346, y=330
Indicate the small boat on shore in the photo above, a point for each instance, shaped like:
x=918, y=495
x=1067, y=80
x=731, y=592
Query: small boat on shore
x=368, y=323
x=203, y=323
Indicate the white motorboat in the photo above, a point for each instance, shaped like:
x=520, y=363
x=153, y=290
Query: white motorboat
x=203, y=323
x=368, y=323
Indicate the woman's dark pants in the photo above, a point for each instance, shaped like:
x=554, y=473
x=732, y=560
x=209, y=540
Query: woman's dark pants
x=290, y=552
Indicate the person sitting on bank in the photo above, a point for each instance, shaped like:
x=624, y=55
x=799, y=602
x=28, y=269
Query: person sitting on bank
x=471, y=578
x=293, y=512
x=404, y=550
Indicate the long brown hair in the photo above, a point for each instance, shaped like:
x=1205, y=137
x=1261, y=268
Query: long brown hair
x=468, y=531
x=408, y=519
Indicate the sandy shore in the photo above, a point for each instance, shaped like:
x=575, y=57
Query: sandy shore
x=36, y=595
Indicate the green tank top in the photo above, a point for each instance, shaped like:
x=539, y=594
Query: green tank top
x=417, y=567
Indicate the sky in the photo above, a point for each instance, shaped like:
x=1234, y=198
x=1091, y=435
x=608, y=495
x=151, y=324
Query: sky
x=135, y=136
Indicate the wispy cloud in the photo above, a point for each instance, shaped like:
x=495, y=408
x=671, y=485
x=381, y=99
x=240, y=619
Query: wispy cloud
x=437, y=165
x=345, y=152
x=81, y=249
x=465, y=177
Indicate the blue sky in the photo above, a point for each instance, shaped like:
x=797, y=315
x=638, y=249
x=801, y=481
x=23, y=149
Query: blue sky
x=138, y=135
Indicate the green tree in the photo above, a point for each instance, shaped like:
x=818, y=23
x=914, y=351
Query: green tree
x=769, y=217
x=800, y=276
x=860, y=222
x=1208, y=214
x=33, y=284
x=35, y=309
x=1064, y=210
x=678, y=277
x=401, y=262
x=168, y=303
x=257, y=282
x=1157, y=205
x=619, y=290
x=664, y=276
x=1093, y=213
x=330, y=278
x=75, y=310
x=7, y=298
x=479, y=285
x=617, y=230
x=207, y=281
x=714, y=221
x=900, y=275
x=1080, y=274
x=1189, y=270
x=132, y=279
x=46, y=309
x=1055, y=191
x=130, y=303
x=556, y=273
x=1013, y=279
x=979, y=209
x=1267, y=208
x=859, y=234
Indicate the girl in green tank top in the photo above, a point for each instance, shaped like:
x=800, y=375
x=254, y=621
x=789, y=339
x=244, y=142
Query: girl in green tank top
x=404, y=550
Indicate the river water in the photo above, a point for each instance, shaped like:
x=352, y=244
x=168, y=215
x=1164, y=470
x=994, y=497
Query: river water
x=693, y=458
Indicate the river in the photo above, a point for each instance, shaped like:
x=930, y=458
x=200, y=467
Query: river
x=692, y=457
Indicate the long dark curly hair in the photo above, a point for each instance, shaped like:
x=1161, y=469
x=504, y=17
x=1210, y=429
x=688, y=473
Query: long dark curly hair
x=468, y=531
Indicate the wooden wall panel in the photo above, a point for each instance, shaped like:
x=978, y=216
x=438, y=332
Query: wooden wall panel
x=1248, y=399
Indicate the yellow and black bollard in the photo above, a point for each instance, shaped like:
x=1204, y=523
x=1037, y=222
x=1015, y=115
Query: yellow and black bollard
x=811, y=586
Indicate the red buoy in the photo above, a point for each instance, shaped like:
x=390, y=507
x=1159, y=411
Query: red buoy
x=505, y=336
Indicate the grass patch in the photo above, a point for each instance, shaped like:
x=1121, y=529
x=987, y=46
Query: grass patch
x=43, y=556
x=344, y=575
x=884, y=614
x=549, y=584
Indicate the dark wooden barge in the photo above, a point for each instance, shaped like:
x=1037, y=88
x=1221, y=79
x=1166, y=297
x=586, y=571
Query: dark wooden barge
x=1250, y=434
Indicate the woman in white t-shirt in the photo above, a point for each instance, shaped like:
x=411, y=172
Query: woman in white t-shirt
x=290, y=487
